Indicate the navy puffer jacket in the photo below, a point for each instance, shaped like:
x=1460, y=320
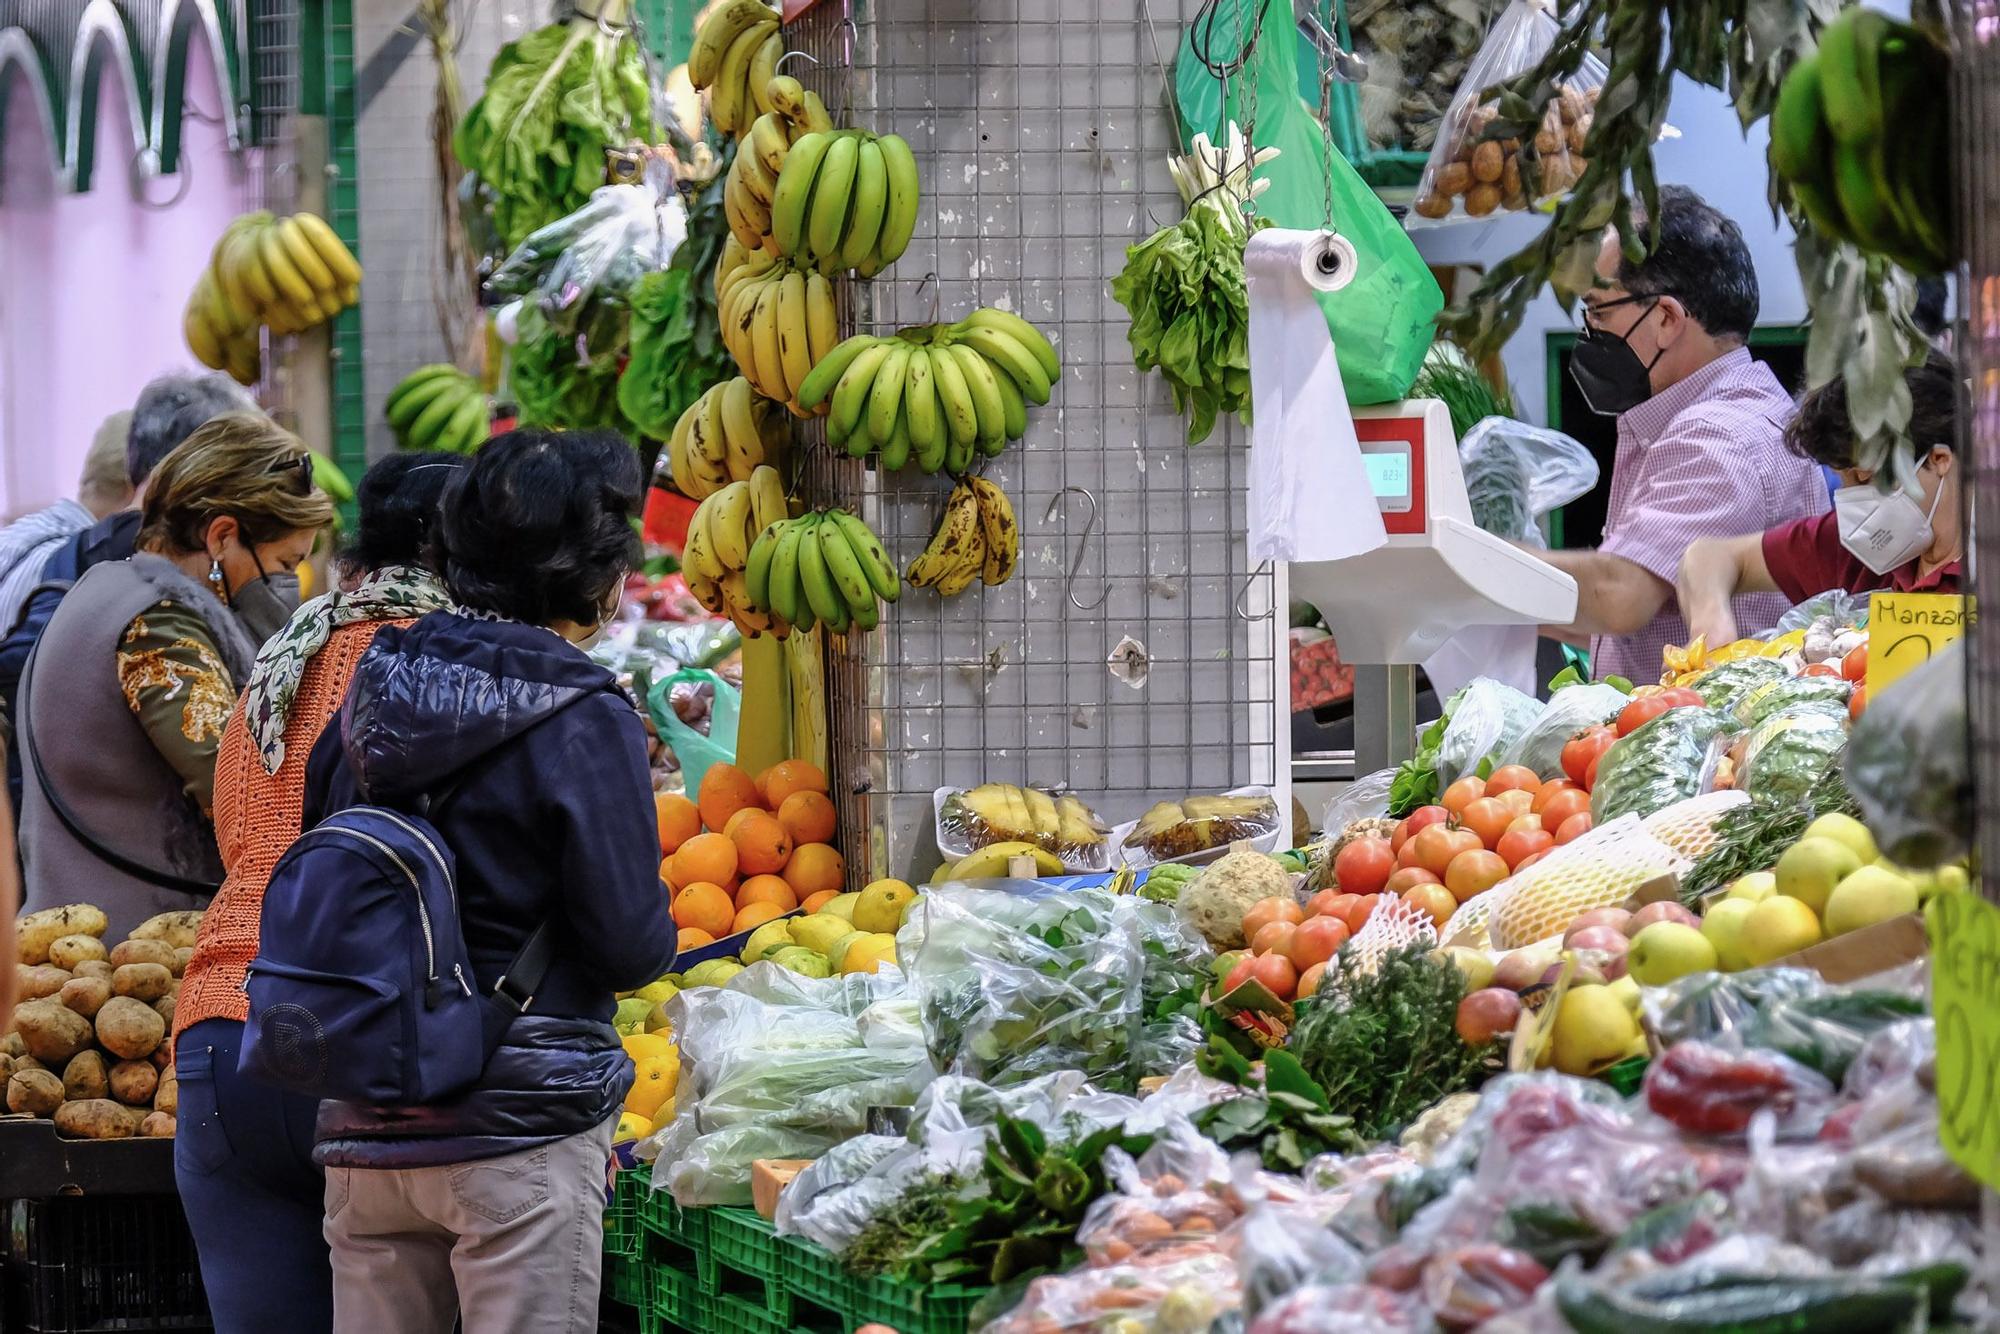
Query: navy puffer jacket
x=552, y=819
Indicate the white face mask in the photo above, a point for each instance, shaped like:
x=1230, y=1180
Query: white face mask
x=1883, y=529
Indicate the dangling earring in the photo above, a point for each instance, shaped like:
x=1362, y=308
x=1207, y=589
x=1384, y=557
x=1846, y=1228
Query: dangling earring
x=215, y=575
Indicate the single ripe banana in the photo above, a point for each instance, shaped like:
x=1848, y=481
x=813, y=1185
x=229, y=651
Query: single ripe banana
x=1002, y=533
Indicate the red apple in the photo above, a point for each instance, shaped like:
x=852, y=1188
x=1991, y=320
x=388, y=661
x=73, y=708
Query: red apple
x=1611, y=917
x=1521, y=969
x=1666, y=910
x=1607, y=939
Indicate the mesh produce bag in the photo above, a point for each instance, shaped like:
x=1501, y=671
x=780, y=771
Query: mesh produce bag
x=1599, y=870
x=1471, y=175
x=1688, y=827
x=1391, y=926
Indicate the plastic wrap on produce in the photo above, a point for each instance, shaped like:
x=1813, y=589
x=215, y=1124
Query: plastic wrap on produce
x=1201, y=828
x=1724, y=686
x=1758, y=703
x=579, y=269
x=1788, y=753
x=1366, y=798
x=967, y=819
x=1487, y=718
x=1836, y=605
x=1516, y=474
x=1569, y=711
x=1909, y=764
x=1667, y=760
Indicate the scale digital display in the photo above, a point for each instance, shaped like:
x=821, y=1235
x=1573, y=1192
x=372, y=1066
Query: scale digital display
x=1388, y=464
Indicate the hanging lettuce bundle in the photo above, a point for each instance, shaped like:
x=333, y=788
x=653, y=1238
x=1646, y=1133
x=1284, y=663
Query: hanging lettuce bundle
x=556, y=385
x=554, y=101
x=676, y=335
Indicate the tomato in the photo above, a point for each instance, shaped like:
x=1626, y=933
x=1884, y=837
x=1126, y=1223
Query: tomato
x=1266, y=911
x=1463, y=793
x=1237, y=975
x=1640, y=712
x=1473, y=873
x=1581, y=749
x=1573, y=828
x=1563, y=805
x=1414, y=821
x=1273, y=937
x=1316, y=940
x=1409, y=877
x=1683, y=697
x=1435, y=900
x=1518, y=800
x=1309, y=981
x=1519, y=846
x=1508, y=777
x=1488, y=817
x=1363, y=866
x=1857, y=702
x=1528, y=822
x=1820, y=669
x=1327, y=901
x=1855, y=665
x=1437, y=845
x=1590, y=774
x=1549, y=790
x=1358, y=913
x=1531, y=859
x=1275, y=971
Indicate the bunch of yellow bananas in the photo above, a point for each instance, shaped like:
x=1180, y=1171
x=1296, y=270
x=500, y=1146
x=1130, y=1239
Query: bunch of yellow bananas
x=723, y=437
x=222, y=337
x=827, y=566
x=720, y=535
x=777, y=319
x=978, y=538
x=760, y=157
x=287, y=274
x=845, y=199
x=734, y=56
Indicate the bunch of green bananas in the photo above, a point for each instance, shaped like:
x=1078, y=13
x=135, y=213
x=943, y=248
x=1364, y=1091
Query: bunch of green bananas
x=825, y=566
x=977, y=539
x=845, y=199
x=718, y=548
x=439, y=407
x=1861, y=131
x=723, y=437
x=778, y=320
x=734, y=56
x=760, y=156
x=932, y=394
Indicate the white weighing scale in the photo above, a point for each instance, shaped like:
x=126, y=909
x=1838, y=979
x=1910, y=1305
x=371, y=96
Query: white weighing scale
x=1391, y=608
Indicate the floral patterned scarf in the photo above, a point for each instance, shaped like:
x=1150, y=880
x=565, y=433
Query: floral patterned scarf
x=392, y=593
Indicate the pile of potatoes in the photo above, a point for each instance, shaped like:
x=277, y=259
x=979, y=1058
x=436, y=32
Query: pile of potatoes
x=89, y=1042
x=1485, y=176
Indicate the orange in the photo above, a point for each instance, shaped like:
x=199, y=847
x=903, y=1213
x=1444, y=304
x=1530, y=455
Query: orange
x=789, y=776
x=710, y=857
x=693, y=937
x=680, y=819
x=705, y=907
x=725, y=790
x=762, y=845
x=814, y=902
x=753, y=916
x=815, y=867
x=808, y=817
x=769, y=889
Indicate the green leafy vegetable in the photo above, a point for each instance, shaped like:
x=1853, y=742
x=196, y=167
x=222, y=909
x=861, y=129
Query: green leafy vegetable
x=676, y=342
x=1286, y=1118
x=555, y=388
x=1449, y=376
x=1416, y=781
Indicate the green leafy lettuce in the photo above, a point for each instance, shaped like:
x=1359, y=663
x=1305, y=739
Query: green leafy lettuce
x=1190, y=309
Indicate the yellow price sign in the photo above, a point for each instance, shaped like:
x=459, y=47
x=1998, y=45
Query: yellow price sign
x=1905, y=629
x=1965, y=1000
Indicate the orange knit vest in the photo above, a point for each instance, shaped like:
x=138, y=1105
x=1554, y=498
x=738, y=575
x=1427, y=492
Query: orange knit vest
x=257, y=816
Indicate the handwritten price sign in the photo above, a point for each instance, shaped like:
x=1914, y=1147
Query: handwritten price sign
x=1905, y=629
x=1965, y=999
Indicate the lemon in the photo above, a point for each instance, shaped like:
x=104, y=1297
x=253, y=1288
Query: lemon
x=880, y=907
x=631, y=1127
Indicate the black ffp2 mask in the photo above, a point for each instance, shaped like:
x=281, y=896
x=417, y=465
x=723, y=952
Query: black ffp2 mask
x=1609, y=372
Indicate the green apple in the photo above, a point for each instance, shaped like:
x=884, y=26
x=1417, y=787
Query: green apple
x=1811, y=868
x=1723, y=925
x=1844, y=829
x=631, y=1014
x=1778, y=926
x=1667, y=950
x=1626, y=989
x=1593, y=1029
x=1756, y=886
x=1872, y=894
x=1475, y=965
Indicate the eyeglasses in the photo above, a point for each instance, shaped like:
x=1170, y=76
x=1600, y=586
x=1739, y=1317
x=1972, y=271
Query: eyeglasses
x=1592, y=316
x=301, y=469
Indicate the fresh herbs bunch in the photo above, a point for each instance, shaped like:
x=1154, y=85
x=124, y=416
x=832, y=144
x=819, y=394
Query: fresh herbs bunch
x=1285, y=1117
x=892, y=1237
x=1753, y=836
x=1406, y=1006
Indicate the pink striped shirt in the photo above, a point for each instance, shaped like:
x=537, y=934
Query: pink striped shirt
x=1703, y=458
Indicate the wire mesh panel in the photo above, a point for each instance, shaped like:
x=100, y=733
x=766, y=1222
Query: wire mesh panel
x=1132, y=657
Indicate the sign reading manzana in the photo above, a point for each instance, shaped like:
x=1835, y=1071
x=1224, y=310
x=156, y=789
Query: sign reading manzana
x=65, y=48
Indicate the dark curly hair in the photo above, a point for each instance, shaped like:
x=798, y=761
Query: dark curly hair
x=1702, y=261
x=1821, y=431
x=398, y=503
x=539, y=528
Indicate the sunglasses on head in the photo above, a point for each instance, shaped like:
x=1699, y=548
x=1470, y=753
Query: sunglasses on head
x=301, y=470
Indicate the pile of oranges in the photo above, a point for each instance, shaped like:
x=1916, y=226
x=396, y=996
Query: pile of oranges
x=748, y=849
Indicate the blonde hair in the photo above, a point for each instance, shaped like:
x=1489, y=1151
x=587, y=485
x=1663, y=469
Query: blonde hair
x=243, y=465
x=103, y=483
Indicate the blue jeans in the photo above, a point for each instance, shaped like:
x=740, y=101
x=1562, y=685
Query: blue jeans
x=254, y=1199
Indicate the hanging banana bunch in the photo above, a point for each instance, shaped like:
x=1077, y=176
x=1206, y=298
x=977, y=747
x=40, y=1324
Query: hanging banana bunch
x=287, y=274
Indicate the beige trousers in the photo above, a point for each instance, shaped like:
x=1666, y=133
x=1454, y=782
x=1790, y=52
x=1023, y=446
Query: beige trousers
x=514, y=1244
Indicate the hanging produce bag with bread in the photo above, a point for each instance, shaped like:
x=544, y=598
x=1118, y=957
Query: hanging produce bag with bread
x=1485, y=166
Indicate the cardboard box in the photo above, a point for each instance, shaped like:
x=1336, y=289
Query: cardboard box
x=769, y=1177
x=1864, y=953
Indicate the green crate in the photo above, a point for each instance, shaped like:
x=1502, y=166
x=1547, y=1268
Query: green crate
x=818, y=1274
x=744, y=1261
x=673, y=1296
x=659, y=1215
x=621, y=1217
x=733, y=1315
x=625, y=1281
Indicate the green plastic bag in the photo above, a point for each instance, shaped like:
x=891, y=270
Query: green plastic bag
x=1383, y=321
x=695, y=751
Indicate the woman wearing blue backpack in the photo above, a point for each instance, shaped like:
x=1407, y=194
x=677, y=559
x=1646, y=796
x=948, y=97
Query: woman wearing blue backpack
x=530, y=763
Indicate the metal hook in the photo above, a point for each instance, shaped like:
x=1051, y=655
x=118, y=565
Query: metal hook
x=937, y=294
x=1244, y=592
x=802, y=55
x=1341, y=63
x=850, y=33
x=1083, y=541
x=146, y=165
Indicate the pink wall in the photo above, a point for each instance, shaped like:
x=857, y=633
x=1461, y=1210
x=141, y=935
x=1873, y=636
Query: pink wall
x=92, y=285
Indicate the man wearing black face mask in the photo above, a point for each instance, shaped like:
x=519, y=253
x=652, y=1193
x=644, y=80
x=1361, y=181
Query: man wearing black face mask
x=1701, y=448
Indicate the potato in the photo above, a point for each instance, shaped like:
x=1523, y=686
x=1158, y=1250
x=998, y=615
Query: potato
x=1549, y=142
x=1487, y=162
x=157, y=1125
x=94, y=968
x=1482, y=199
x=70, y=951
x=180, y=963
x=85, y=1077
x=167, y=1097
x=85, y=995
x=40, y=979
x=134, y=1082
x=1434, y=206
x=143, y=951
x=11, y=1045
x=1455, y=179
x=26, y=1063
x=163, y=1055
x=1510, y=183
x=37, y=931
x=96, y=1118
x=1577, y=133
x=1570, y=105
x=34, y=1092
x=164, y=1007
x=6, y=1070
x=177, y=929
x=127, y=1028
x=142, y=981
x=52, y=1031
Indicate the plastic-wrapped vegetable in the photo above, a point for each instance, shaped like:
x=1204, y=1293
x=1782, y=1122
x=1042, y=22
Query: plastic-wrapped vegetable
x=1789, y=752
x=1706, y=1007
x=1836, y=605
x=1754, y=706
x=1568, y=712
x=1487, y=718
x=1666, y=761
x=1724, y=686
x=1909, y=764
x=1516, y=473
x=1828, y=1031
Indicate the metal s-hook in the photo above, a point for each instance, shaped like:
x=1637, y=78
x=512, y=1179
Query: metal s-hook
x=798, y=55
x=937, y=297
x=1083, y=541
x=1244, y=592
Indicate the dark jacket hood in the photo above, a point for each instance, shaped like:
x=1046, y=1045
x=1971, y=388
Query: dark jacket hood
x=432, y=698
